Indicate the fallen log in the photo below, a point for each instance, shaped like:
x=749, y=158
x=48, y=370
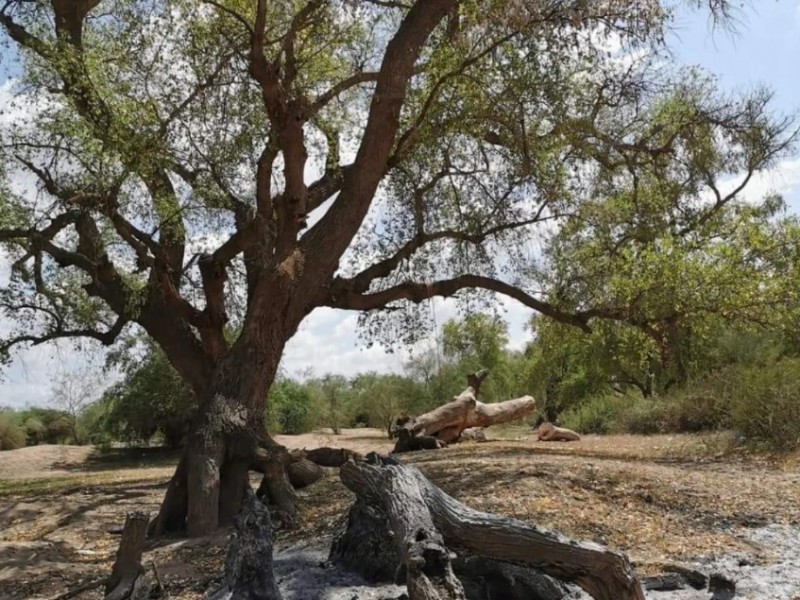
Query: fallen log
x=418, y=526
x=446, y=423
x=303, y=473
x=331, y=457
x=548, y=432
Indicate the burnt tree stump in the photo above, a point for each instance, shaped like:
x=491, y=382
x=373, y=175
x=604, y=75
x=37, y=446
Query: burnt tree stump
x=128, y=565
x=248, y=559
x=401, y=522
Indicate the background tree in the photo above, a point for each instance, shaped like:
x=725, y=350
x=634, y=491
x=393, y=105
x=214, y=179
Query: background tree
x=479, y=342
x=151, y=399
x=72, y=392
x=205, y=166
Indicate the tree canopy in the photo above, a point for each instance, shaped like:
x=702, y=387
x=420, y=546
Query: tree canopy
x=204, y=167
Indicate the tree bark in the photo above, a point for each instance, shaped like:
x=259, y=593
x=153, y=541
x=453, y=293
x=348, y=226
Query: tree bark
x=447, y=422
x=229, y=439
x=127, y=566
x=248, y=560
x=331, y=457
x=419, y=512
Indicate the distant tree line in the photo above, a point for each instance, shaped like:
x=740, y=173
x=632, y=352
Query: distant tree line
x=612, y=380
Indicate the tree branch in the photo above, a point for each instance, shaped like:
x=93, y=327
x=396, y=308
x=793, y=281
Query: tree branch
x=343, y=296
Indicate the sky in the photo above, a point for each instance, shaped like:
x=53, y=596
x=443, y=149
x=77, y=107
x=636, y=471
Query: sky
x=763, y=51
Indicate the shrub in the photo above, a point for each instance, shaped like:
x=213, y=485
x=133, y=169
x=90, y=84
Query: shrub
x=290, y=408
x=765, y=404
x=598, y=414
x=35, y=431
x=12, y=435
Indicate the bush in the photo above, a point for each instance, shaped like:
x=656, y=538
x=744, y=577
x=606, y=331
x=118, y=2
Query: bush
x=12, y=435
x=765, y=404
x=688, y=410
x=45, y=425
x=290, y=408
x=598, y=414
x=35, y=431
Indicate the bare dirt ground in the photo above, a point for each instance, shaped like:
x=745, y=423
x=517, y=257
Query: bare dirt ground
x=662, y=499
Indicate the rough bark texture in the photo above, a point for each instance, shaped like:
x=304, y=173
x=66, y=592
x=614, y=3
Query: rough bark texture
x=366, y=546
x=248, y=561
x=127, y=566
x=420, y=546
x=212, y=476
x=411, y=502
x=548, y=432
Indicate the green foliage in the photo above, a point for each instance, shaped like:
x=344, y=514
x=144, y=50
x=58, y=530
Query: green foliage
x=290, y=408
x=479, y=341
x=12, y=436
x=45, y=425
x=765, y=404
x=151, y=400
x=380, y=398
x=598, y=414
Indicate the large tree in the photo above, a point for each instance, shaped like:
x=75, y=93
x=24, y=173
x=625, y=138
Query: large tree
x=208, y=166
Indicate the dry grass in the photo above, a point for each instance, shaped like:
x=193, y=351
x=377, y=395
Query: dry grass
x=660, y=498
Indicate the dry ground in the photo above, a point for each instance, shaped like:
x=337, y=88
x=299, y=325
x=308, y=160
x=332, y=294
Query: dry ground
x=659, y=498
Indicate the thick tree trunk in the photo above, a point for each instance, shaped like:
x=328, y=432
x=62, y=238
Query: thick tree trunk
x=213, y=474
x=228, y=437
x=424, y=524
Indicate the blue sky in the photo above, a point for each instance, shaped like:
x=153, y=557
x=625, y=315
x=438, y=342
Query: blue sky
x=764, y=50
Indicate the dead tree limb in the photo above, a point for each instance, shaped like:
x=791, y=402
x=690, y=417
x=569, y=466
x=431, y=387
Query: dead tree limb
x=331, y=457
x=303, y=473
x=548, y=432
x=412, y=503
x=446, y=423
x=128, y=564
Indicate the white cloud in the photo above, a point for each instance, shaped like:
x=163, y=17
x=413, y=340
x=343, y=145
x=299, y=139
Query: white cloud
x=783, y=178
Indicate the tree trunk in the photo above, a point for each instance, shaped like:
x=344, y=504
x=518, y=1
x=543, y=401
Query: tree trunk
x=248, y=561
x=397, y=503
x=213, y=474
x=127, y=567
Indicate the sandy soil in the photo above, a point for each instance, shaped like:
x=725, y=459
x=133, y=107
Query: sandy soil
x=661, y=499
x=46, y=460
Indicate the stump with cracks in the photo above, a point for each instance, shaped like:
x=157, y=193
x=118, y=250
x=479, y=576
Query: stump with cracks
x=402, y=523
